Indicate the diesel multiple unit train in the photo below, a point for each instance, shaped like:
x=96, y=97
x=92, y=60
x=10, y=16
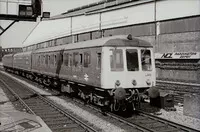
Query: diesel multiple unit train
x=111, y=71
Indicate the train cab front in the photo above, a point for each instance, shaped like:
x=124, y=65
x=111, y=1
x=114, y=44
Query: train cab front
x=129, y=71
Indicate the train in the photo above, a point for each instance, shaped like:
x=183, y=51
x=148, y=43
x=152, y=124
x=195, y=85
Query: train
x=111, y=72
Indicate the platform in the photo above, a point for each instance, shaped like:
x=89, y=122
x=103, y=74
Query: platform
x=5, y=105
x=13, y=120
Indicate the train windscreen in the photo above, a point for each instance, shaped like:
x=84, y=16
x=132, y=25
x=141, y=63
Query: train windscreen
x=132, y=60
x=146, y=60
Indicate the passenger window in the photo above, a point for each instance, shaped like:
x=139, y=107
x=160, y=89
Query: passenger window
x=46, y=60
x=61, y=58
x=42, y=57
x=38, y=60
x=75, y=59
x=86, y=59
x=55, y=60
x=81, y=59
x=70, y=60
x=132, y=60
x=52, y=59
x=49, y=59
x=66, y=59
x=99, y=60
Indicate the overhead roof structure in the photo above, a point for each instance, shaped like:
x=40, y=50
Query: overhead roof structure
x=47, y=30
x=62, y=25
x=107, y=15
x=100, y=6
x=19, y=10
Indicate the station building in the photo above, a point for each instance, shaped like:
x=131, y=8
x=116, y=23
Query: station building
x=172, y=26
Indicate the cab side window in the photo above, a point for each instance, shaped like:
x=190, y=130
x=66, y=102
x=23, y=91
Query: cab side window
x=99, y=60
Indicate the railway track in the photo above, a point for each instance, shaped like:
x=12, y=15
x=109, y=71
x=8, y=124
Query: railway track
x=156, y=124
x=179, y=89
x=42, y=112
x=55, y=117
x=148, y=122
x=141, y=121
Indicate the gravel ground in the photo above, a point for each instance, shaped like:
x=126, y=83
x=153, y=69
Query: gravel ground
x=178, y=117
x=174, y=116
x=96, y=121
x=27, y=84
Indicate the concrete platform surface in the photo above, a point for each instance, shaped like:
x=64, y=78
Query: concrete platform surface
x=5, y=104
x=20, y=121
x=13, y=120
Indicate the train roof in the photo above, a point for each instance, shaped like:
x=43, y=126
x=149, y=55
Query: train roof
x=8, y=55
x=23, y=53
x=113, y=41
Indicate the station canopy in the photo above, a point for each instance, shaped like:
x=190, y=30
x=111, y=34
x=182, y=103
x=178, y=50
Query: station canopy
x=60, y=25
x=47, y=30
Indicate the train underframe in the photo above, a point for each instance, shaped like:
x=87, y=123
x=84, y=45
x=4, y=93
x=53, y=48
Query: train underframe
x=117, y=99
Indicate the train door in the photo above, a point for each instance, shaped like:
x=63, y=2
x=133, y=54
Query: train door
x=59, y=61
x=66, y=69
x=92, y=66
x=87, y=66
x=98, y=67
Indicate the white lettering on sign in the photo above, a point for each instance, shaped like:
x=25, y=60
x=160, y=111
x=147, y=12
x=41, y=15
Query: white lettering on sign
x=178, y=55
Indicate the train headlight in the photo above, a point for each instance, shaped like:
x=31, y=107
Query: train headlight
x=134, y=82
x=148, y=82
x=117, y=83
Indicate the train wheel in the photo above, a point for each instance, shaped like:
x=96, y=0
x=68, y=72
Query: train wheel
x=46, y=82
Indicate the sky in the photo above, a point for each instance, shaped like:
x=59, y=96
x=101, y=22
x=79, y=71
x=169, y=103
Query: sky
x=16, y=34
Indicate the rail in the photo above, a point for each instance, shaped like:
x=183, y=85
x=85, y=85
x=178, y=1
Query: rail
x=179, y=83
x=51, y=104
x=19, y=98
